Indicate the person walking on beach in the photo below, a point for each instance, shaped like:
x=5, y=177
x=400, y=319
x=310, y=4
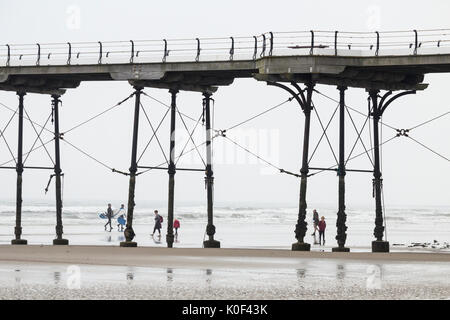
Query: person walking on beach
x=120, y=218
x=109, y=215
x=176, y=225
x=322, y=226
x=158, y=221
x=121, y=222
x=315, y=221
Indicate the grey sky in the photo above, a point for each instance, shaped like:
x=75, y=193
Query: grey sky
x=411, y=174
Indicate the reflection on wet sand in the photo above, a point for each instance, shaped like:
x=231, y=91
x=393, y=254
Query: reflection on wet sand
x=301, y=273
x=157, y=239
x=340, y=273
x=57, y=277
x=307, y=280
x=374, y=277
x=169, y=274
x=130, y=276
x=17, y=277
x=208, y=276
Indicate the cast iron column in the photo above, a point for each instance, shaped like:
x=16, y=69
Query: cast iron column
x=173, y=107
x=129, y=232
x=341, y=216
x=301, y=227
x=209, y=179
x=59, y=225
x=378, y=245
x=19, y=170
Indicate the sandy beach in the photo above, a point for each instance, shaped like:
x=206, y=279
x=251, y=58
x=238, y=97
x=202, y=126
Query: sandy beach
x=47, y=272
x=194, y=257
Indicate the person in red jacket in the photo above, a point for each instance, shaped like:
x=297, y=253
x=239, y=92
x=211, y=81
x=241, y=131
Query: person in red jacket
x=322, y=227
x=176, y=225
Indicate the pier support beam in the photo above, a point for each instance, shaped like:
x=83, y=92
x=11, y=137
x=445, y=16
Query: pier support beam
x=59, y=225
x=301, y=226
x=378, y=108
x=129, y=232
x=173, y=106
x=378, y=245
x=306, y=105
x=209, y=178
x=341, y=236
x=19, y=170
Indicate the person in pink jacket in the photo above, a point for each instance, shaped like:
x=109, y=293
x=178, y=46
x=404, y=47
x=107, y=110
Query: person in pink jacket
x=176, y=225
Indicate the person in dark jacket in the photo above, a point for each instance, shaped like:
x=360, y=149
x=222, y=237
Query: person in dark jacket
x=109, y=215
x=315, y=221
x=158, y=220
x=322, y=226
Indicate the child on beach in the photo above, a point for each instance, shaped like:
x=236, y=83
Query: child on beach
x=121, y=222
x=122, y=216
x=176, y=225
x=322, y=226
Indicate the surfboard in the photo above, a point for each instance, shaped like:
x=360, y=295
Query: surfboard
x=103, y=216
x=121, y=221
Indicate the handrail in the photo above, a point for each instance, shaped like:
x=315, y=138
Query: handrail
x=197, y=58
x=335, y=43
x=100, y=54
x=166, y=53
x=263, y=51
x=132, y=51
x=415, y=42
x=9, y=55
x=232, y=49
x=69, y=55
x=313, y=42
x=38, y=60
x=271, y=44
x=256, y=48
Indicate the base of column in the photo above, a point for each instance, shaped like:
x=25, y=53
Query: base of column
x=128, y=244
x=60, y=242
x=301, y=246
x=211, y=244
x=19, y=241
x=380, y=246
x=340, y=249
x=170, y=239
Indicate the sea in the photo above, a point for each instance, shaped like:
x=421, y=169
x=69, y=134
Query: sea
x=265, y=226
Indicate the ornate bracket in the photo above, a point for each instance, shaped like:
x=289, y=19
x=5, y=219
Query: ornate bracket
x=304, y=102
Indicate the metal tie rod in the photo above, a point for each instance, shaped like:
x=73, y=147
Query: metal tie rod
x=165, y=168
x=335, y=169
x=31, y=167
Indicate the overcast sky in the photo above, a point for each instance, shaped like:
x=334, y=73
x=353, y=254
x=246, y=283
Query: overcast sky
x=412, y=175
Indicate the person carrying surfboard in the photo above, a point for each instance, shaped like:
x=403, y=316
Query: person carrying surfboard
x=109, y=215
x=121, y=219
x=158, y=221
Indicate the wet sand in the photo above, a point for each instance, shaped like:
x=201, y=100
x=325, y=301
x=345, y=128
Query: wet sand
x=47, y=272
x=192, y=257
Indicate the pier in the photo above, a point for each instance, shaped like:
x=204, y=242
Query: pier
x=384, y=65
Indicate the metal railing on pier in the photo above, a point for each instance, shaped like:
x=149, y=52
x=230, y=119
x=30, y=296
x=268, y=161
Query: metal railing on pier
x=293, y=43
